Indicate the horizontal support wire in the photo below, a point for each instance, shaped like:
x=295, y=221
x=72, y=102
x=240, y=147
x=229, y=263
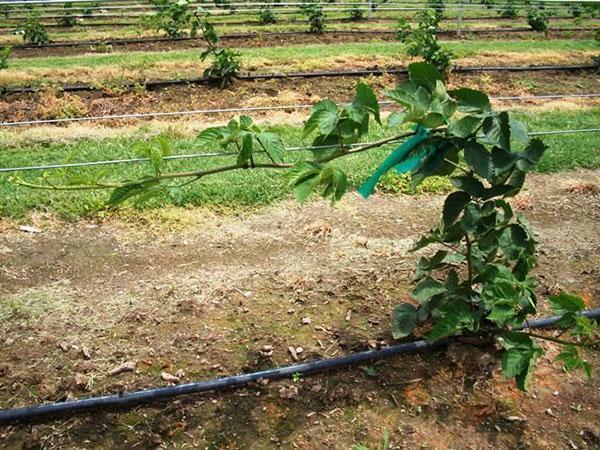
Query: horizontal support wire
x=248, y=109
x=221, y=154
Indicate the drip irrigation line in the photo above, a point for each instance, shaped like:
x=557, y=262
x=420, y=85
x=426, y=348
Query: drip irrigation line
x=222, y=154
x=255, y=35
x=157, y=84
x=52, y=410
x=248, y=109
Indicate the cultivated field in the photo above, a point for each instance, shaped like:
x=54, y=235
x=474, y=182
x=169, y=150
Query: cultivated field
x=138, y=250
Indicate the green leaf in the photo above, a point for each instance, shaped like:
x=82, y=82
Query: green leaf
x=566, y=303
x=122, y=193
x=513, y=241
x=303, y=189
x=365, y=98
x=478, y=158
x=572, y=360
x=324, y=117
x=433, y=120
x=272, y=144
x=245, y=154
x=452, y=317
x=426, y=289
x=396, y=119
x=404, y=320
x=453, y=207
x=518, y=131
x=471, y=101
x=425, y=74
x=465, y=126
x=519, y=359
x=469, y=184
x=212, y=135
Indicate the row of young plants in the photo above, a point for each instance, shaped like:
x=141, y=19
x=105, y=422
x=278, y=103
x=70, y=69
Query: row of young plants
x=177, y=18
x=477, y=281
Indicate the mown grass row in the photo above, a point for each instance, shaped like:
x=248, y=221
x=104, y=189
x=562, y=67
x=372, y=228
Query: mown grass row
x=248, y=187
x=301, y=52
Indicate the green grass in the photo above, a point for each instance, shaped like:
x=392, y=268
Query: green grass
x=243, y=188
x=131, y=32
x=300, y=52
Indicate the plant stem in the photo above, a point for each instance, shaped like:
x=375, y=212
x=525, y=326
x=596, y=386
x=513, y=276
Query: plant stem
x=556, y=340
x=469, y=262
x=202, y=173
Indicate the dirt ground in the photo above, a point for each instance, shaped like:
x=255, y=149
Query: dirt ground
x=204, y=294
x=51, y=104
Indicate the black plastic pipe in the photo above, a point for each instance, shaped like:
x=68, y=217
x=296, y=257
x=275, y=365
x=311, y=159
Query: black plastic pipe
x=157, y=84
x=148, y=395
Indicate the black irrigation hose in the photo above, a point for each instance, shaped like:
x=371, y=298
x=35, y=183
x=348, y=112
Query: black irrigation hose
x=256, y=35
x=52, y=410
x=158, y=84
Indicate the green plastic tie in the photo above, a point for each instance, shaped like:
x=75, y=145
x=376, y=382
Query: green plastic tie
x=398, y=159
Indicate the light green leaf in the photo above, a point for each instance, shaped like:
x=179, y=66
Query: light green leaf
x=566, y=303
x=471, y=101
x=426, y=289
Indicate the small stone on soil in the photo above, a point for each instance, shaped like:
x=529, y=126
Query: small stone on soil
x=165, y=376
x=129, y=366
x=306, y=321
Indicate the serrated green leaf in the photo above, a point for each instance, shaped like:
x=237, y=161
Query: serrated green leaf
x=427, y=288
x=471, y=101
x=564, y=303
x=425, y=74
x=478, y=158
x=453, y=207
x=365, y=98
x=272, y=144
x=404, y=320
x=465, y=126
x=518, y=131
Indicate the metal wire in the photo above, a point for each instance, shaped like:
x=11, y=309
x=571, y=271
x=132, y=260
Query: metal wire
x=218, y=154
x=249, y=109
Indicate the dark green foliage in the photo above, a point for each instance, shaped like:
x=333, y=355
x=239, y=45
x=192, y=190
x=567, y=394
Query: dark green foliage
x=266, y=16
x=438, y=7
x=538, y=19
x=68, y=19
x=316, y=17
x=176, y=18
x=356, y=13
x=224, y=68
x=5, y=53
x=422, y=41
x=509, y=11
x=34, y=33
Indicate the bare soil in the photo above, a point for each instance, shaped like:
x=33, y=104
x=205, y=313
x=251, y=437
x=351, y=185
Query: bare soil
x=266, y=40
x=51, y=104
x=205, y=292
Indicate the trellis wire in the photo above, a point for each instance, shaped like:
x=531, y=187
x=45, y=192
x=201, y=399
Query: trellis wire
x=220, y=154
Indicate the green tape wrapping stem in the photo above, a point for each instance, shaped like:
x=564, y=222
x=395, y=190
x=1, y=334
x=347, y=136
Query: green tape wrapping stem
x=398, y=159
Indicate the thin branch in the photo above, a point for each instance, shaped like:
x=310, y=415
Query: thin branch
x=469, y=263
x=556, y=340
x=197, y=174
